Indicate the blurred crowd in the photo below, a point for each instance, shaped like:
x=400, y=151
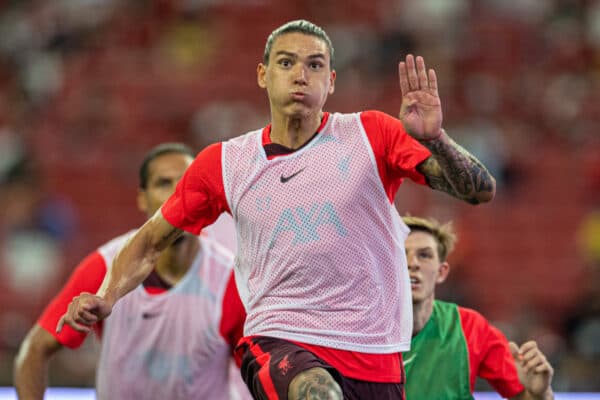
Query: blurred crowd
x=87, y=87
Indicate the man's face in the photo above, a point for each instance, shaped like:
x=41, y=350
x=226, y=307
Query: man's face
x=163, y=174
x=424, y=265
x=298, y=77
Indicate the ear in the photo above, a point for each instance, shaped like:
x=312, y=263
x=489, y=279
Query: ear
x=443, y=272
x=332, y=82
x=142, y=203
x=261, y=72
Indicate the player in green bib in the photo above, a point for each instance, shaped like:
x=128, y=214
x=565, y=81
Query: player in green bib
x=452, y=345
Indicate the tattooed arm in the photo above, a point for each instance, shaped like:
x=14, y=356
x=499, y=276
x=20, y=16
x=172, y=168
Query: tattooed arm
x=451, y=168
x=132, y=265
x=454, y=170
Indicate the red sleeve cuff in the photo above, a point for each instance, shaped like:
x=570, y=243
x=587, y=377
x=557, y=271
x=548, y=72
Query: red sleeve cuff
x=87, y=277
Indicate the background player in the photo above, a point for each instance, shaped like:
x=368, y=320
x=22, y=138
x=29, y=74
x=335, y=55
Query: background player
x=453, y=345
x=173, y=336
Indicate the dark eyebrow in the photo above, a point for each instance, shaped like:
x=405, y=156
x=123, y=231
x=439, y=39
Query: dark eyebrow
x=286, y=53
x=161, y=178
x=318, y=55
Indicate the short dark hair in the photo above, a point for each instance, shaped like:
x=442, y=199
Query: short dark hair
x=298, y=26
x=161, y=149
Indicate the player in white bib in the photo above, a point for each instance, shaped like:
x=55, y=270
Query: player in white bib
x=173, y=336
x=321, y=268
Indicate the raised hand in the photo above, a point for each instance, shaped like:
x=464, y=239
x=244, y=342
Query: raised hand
x=421, y=109
x=535, y=372
x=84, y=311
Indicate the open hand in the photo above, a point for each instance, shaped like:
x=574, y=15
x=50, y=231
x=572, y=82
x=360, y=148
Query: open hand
x=84, y=311
x=421, y=109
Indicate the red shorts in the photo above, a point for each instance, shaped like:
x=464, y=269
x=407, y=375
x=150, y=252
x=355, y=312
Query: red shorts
x=268, y=366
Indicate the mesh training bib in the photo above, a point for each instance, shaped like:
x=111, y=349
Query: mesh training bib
x=437, y=365
x=321, y=249
x=168, y=346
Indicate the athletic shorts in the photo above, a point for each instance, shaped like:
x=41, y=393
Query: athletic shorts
x=268, y=366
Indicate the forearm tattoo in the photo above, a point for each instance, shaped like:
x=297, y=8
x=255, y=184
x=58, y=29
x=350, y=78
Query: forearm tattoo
x=454, y=170
x=315, y=384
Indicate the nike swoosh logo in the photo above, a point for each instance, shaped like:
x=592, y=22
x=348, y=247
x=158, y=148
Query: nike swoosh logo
x=284, y=179
x=149, y=315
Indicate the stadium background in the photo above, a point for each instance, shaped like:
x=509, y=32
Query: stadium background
x=88, y=86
